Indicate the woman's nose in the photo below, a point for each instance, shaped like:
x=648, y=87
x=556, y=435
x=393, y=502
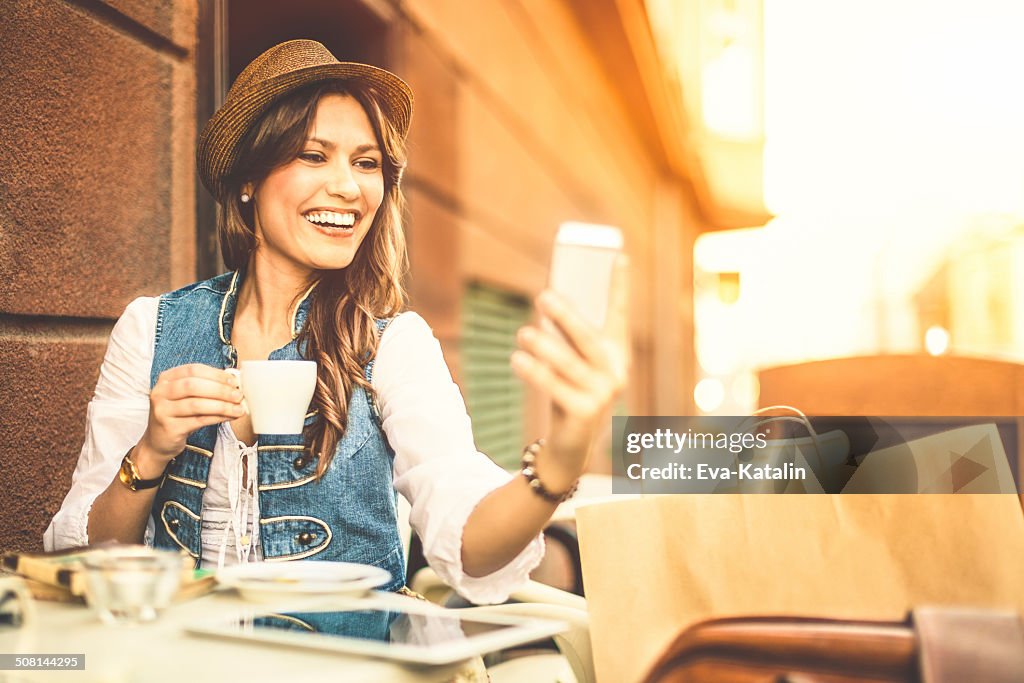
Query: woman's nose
x=343, y=184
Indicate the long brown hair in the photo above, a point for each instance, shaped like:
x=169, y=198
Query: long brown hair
x=340, y=332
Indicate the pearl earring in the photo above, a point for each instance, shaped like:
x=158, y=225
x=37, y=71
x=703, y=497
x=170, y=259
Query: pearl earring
x=245, y=198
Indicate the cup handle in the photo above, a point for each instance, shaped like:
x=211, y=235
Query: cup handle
x=237, y=374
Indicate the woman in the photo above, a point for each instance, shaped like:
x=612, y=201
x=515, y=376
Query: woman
x=305, y=159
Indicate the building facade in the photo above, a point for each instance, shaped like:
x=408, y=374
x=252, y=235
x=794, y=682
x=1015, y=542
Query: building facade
x=527, y=115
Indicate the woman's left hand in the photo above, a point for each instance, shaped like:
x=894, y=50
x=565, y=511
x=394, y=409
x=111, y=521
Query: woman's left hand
x=582, y=369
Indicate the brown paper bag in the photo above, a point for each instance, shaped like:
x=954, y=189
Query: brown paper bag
x=655, y=565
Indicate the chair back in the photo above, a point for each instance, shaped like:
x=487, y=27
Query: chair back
x=897, y=385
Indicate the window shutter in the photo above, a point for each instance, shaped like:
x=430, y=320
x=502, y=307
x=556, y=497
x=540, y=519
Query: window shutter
x=494, y=395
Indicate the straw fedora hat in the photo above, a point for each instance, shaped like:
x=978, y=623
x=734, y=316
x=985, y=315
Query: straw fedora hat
x=278, y=71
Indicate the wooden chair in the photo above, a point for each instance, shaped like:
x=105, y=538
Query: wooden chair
x=902, y=385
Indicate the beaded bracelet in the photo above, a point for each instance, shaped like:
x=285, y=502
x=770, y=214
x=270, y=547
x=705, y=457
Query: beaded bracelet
x=528, y=471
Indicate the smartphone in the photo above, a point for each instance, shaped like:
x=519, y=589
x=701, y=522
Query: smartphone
x=581, y=267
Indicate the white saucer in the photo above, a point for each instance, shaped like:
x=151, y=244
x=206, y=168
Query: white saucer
x=273, y=580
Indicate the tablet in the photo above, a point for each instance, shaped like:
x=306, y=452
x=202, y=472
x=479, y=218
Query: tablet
x=405, y=633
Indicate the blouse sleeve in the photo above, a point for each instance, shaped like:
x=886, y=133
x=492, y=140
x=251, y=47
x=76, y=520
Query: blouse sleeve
x=437, y=466
x=115, y=421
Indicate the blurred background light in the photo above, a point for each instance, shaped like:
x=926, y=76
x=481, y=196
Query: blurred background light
x=709, y=394
x=936, y=340
x=894, y=166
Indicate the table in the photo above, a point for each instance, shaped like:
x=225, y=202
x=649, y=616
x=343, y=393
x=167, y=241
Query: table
x=163, y=651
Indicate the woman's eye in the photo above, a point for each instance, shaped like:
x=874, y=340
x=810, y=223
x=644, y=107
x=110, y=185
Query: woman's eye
x=311, y=156
x=368, y=164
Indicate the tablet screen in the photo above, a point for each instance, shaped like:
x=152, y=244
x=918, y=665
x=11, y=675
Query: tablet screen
x=412, y=633
x=380, y=626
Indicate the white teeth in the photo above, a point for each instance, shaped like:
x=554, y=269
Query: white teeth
x=332, y=218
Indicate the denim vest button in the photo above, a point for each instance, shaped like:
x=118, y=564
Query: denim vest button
x=173, y=523
x=299, y=463
x=305, y=538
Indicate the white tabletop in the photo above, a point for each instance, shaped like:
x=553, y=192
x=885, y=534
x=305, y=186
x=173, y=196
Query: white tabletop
x=163, y=651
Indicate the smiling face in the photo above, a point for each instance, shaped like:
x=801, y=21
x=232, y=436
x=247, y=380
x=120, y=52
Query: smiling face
x=314, y=211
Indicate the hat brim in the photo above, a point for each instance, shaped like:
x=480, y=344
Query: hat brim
x=217, y=150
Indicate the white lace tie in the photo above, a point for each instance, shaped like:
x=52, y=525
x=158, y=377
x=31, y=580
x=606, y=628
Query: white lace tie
x=244, y=515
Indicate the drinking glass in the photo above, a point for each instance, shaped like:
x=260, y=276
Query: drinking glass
x=131, y=585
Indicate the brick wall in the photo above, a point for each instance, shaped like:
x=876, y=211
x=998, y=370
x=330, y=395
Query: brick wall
x=519, y=127
x=96, y=208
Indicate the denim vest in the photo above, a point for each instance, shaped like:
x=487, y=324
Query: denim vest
x=349, y=515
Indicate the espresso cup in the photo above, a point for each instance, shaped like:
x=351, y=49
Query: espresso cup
x=277, y=393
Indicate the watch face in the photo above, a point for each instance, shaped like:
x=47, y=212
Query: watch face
x=129, y=476
x=126, y=474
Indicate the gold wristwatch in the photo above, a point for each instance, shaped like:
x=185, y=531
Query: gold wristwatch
x=129, y=475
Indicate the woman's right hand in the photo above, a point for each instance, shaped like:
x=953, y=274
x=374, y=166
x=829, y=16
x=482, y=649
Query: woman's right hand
x=184, y=399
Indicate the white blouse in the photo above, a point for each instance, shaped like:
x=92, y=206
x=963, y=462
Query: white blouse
x=437, y=467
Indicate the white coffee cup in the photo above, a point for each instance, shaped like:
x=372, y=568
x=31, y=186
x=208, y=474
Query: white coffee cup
x=277, y=393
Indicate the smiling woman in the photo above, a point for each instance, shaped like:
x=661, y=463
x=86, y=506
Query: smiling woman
x=305, y=159
x=310, y=182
